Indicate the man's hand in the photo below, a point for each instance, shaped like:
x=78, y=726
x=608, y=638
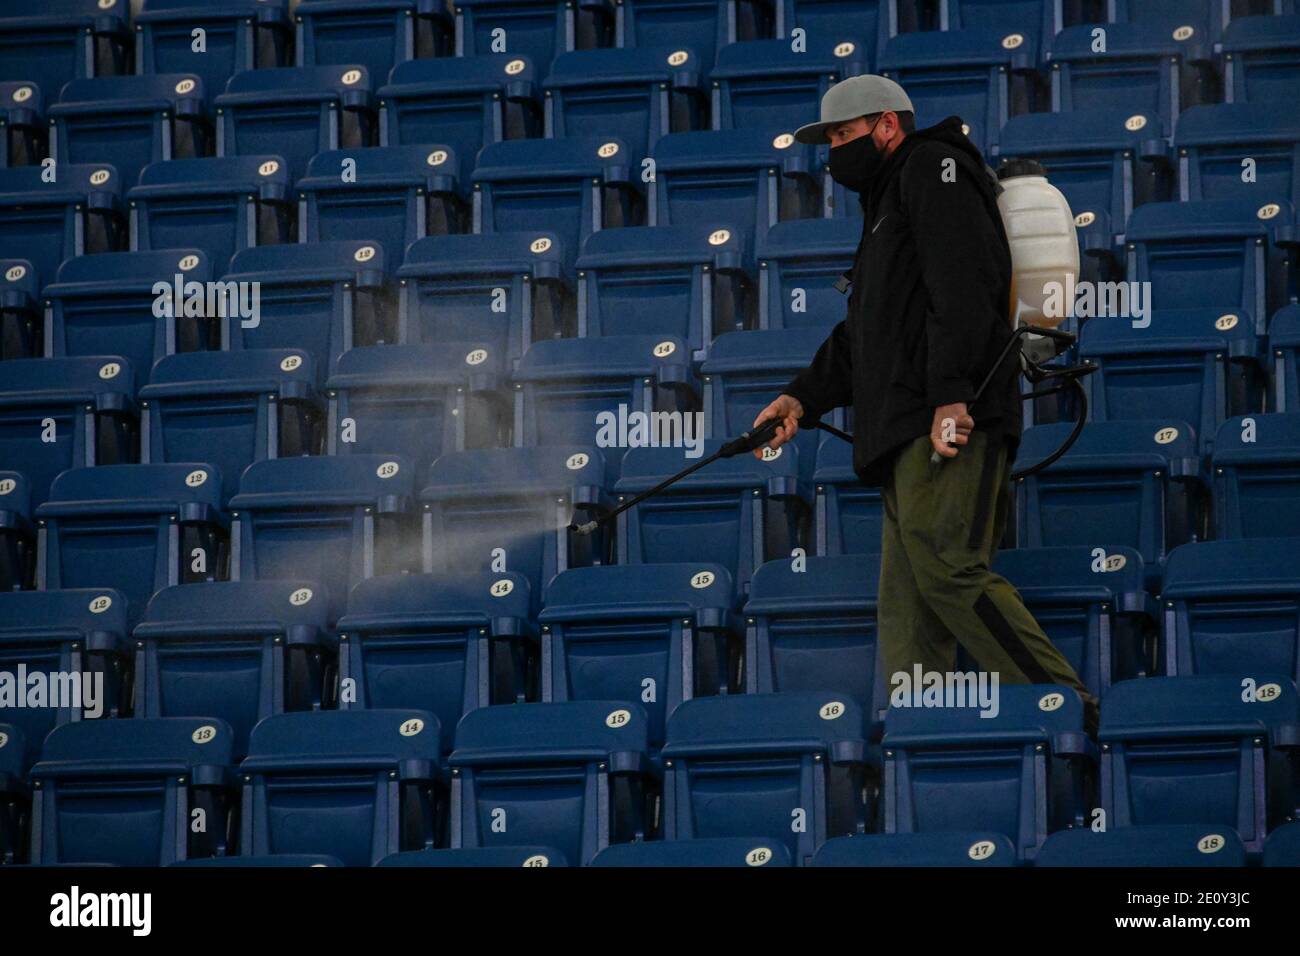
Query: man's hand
x=789, y=410
x=950, y=429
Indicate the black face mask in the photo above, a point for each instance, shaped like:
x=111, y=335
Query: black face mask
x=856, y=163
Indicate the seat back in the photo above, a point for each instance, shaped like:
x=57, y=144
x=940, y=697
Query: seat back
x=509, y=509
x=702, y=26
x=941, y=848
x=63, y=413
x=566, y=775
x=334, y=519
x=57, y=42
x=635, y=95
x=811, y=626
x=238, y=650
x=231, y=409
x=786, y=767
x=1220, y=145
x=799, y=263
x=294, y=112
x=445, y=644
x=538, y=30
x=416, y=400
x=659, y=635
x=72, y=643
x=765, y=83
x=134, y=119
x=1256, y=467
x=849, y=516
x=719, y=851
x=215, y=205
x=1260, y=58
x=377, y=34
x=136, y=528
x=126, y=791
x=356, y=784
x=140, y=305
x=392, y=194
x=1173, y=845
x=875, y=21
x=963, y=754
x=46, y=223
x=1198, y=750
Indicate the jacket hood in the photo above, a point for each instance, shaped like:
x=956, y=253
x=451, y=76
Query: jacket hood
x=949, y=133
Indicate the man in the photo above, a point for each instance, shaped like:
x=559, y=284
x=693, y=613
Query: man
x=927, y=318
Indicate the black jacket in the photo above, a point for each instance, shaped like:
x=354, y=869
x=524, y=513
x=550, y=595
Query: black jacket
x=928, y=310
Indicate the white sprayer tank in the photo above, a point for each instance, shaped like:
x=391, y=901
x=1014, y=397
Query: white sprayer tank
x=1044, y=249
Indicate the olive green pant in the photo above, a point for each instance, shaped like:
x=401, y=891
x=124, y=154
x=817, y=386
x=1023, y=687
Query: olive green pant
x=942, y=526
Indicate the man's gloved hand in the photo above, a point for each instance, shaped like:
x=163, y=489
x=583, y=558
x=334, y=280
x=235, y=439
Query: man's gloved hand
x=789, y=410
x=951, y=427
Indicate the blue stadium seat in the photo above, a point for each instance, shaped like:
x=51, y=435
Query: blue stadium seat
x=1104, y=161
x=136, y=528
x=21, y=319
x=1153, y=69
x=1134, y=484
x=1256, y=466
x=1259, y=55
x=1021, y=771
x=285, y=860
x=17, y=532
x=356, y=785
x=237, y=35
x=873, y=20
x=377, y=34
x=126, y=791
x=977, y=74
x=1233, y=607
x=442, y=643
x=748, y=178
x=571, y=187
x=811, y=626
x=221, y=206
x=295, y=112
x=538, y=30
x=1038, y=21
x=47, y=222
x=942, y=848
x=230, y=409
x=765, y=83
x=529, y=856
x=1210, y=751
x=1211, y=15
x=464, y=101
x=418, y=401
x=849, y=516
x=14, y=793
x=238, y=650
x=1282, y=848
x=1192, y=365
x=335, y=520
x=634, y=95
x=568, y=775
x=394, y=194
x=745, y=369
x=689, y=282
x=1214, y=142
x=715, y=852
x=125, y=303
x=737, y=512
x=1216, y=253
x=798, y=265
x=503, y=290
x=701, y=26
x=1186, y=845
x=23, y=110
x=64, y=413
x=509, y=509
x=659, y=635
x=786, y=767
x=62, y=41
x=573, y=390
x=1284, y=347
x=320, y=299
x=1092, y=604
x=134, y=120
x=80, y=633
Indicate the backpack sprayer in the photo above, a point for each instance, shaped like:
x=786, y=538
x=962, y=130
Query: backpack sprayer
x=1044, y=262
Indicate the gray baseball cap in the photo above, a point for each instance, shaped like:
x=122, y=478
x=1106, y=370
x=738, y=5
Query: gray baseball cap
x=857, y=96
